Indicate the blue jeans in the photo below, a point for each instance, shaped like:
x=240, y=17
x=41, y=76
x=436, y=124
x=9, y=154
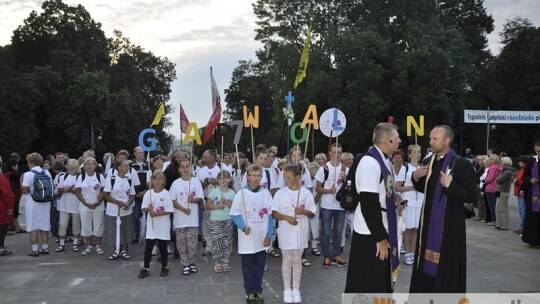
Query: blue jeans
x=253, y=271
x=338, y=218
x=492, y=201
x=521, y=204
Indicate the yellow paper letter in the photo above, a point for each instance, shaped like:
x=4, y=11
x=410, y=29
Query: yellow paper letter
x=250, y=119
x=419, y=129
x=311, y=117
x=195, y=136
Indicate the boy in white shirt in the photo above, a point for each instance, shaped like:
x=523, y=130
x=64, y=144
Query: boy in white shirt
x=251, y=211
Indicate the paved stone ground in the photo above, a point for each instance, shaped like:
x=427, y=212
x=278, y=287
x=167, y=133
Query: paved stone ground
x=497, y=262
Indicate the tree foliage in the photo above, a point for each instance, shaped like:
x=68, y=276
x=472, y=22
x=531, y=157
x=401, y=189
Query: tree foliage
x=61, y=74
x=371, y=59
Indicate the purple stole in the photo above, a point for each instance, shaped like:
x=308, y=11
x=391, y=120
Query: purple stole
x=390, y=212
x=535, y=188
x=432, y=250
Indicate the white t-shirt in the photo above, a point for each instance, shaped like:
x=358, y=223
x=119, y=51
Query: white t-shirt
x=90, y=189
x=121, y=191
x=334, y=179
x=28, y=181
x=399, y=177
x=158, y=227
x=227, y=167
x=413, y=197
x=131, y=173
x=307, y=182
x=179, y=193
x=258, y=206
x=68, y=202
x=205, y=173
x=368, y=179
x=285, y=200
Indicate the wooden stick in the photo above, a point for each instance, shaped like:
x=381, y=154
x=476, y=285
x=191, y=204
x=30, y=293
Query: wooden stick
x=252, y=144
x=335, y=171
x=190, y=172
x=241, y=188
x=303, y=166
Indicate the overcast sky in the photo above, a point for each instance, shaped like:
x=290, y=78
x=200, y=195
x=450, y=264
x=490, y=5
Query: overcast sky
x=197, y=34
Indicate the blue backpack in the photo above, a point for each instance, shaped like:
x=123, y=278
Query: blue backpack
x=43, y=187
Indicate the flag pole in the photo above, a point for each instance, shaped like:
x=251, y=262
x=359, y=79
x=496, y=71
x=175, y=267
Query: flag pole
x=252, y=143
x=335, y=170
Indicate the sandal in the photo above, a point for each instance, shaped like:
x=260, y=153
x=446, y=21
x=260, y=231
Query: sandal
x=218, y=268
x=226, y=268
x=33, y=253
x=113, y=256
x=185, y=270
x=193, y=268
x=124, y=255
x=164, y=272
x=99, y=251
x=315, y=252
x=143, y=273
x=75, y=248
x=274, y=254
x=60, y=248
x=44, y=251
x=305, y=263
x=87, y=251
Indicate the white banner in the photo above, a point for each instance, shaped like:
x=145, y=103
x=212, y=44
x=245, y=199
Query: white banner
x=502, y=117
x=440, y=298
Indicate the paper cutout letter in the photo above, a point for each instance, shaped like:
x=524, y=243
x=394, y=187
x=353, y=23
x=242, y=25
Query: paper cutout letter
x=311, y=117
x=192, y=133
x=149, y=140
x=419, y=129
x=250, y=119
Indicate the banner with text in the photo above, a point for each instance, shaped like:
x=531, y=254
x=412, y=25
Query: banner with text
x=502, y=117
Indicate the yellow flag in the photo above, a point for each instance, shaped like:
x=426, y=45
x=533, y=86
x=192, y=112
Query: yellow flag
x=303, y=60
x=159, y=115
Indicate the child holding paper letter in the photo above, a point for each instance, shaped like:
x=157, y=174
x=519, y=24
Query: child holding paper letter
x=251, y=212
x=293, y=209
x=187, y=194
x=158, y=204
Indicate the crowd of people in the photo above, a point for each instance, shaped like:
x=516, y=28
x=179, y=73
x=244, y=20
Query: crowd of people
x=408, y=203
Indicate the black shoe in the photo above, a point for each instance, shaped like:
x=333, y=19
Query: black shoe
x=143, y=273
x=164, y=272
x=44, y=251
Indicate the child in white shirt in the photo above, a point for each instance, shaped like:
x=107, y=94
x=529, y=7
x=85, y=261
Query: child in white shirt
x=293, y=206
x=158, y=204
x=251, y=212
x=187, y=194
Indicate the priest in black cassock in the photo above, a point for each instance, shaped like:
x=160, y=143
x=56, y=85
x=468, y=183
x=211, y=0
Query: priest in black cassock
x=447, y=182
x=531, y=190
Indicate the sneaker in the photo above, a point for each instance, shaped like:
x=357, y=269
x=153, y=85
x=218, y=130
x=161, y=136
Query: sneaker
x=87, y=251
x=143, y=273
x=164, y=272
x=326, y=263
x=259, y=299
x=306, y=263
x=33, y=253
x=287, y=296
x=250, y=299
x=296, y=296
x=338, y=261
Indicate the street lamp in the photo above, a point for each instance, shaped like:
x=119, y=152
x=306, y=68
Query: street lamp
x=95, y=133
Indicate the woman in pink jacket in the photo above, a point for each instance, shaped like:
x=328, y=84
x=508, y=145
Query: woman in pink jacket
x=491, y=186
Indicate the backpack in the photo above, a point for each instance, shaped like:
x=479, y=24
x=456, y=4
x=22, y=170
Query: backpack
x=351, y=176
x=42, y=191
x=98, y=176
